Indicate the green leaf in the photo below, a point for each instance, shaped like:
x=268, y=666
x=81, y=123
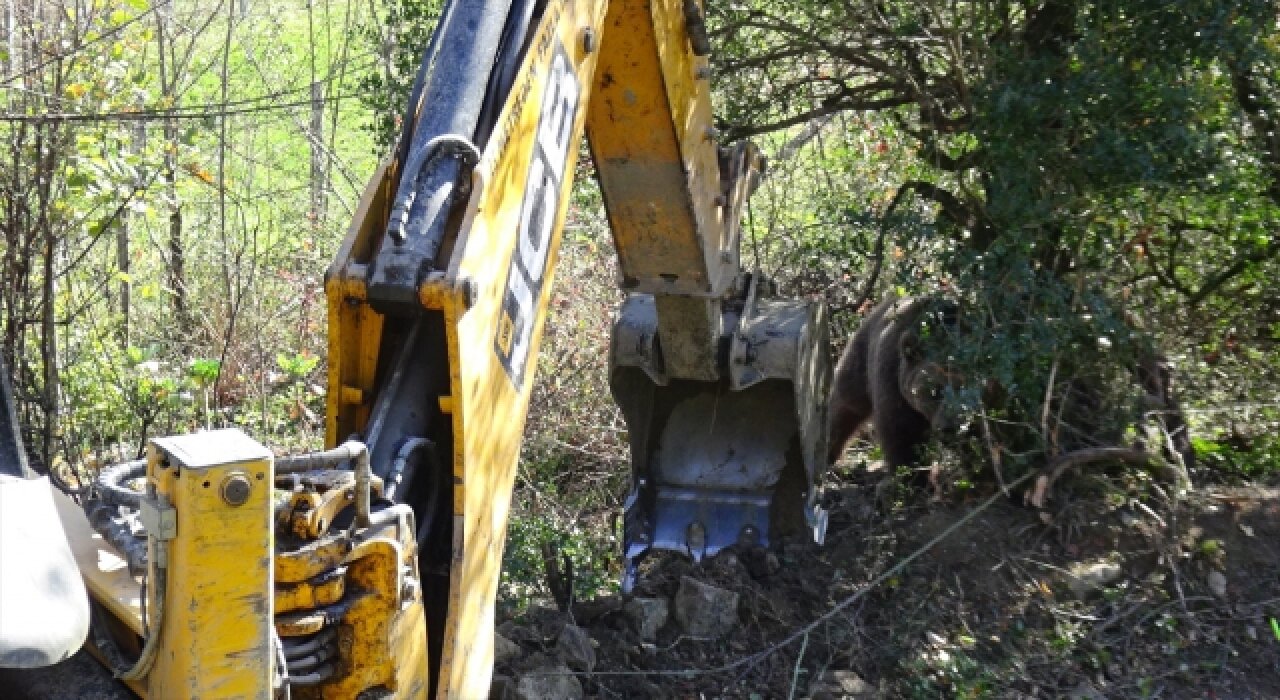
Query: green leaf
x=204, y=370
x=139, y=5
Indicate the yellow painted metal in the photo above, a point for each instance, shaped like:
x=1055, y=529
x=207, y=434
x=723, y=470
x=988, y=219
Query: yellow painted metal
x=311, y=513
x=354, y=328
x=311, y=560
x=310, y=594
x=487, y=407
x=383, y=640
x=648, y=124
x=215, y=629
x=380, y=624
x=646, y=110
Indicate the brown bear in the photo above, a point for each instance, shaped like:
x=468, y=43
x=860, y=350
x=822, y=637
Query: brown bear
x=883, y=376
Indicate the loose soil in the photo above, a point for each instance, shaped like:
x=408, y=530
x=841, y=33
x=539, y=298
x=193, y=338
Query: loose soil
x=988, y=612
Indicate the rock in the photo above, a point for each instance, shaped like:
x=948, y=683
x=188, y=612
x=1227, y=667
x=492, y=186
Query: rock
x=648, y=615
x=1086, y=691
x=549, y=682
x=502, y=688
x=842, y=684
x=646, y=689
x=1087, y=577
x=760, y=562
x=726, y=566
x=545, y=622
x=1217, y=584
x=704, y=610
x=505, y=650
x=574, y=646
x=588, y=611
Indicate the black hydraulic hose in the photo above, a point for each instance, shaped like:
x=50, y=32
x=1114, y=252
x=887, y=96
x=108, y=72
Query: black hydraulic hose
x=410, y=121
x=515, y=35
x=468, y=39
x=110, y=483
x=305, y=648
x=407, y=450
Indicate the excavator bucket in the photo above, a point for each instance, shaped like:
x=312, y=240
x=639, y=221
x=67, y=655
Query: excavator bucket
x=732, y=461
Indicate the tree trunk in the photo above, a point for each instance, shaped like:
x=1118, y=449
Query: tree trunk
x=177, y=266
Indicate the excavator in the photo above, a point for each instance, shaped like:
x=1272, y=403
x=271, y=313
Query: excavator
x=213, y=568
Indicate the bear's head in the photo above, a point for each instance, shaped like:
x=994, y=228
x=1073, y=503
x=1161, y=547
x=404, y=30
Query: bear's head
x=924, y=381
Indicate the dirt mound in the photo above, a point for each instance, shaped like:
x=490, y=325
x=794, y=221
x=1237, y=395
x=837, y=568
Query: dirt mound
x=1115, y=593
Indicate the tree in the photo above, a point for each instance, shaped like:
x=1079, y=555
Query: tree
x=1078, y=163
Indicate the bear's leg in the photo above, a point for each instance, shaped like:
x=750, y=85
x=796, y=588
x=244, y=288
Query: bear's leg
x=850, y=402
x=845, y=418
x=901, y=432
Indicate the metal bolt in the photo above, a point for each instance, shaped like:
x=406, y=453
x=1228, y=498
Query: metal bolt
x=726, y=256
x=711, y=133
x=409, y=590
x=236, y=488
x=469, y=292
x=588, y=40
x=703, y=72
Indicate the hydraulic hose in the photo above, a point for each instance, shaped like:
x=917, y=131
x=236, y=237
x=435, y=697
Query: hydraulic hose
x=407, y=450
x=110, y=483
x=159, y=576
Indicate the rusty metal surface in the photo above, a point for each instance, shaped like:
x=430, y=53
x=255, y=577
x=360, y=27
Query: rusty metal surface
x=318, y=499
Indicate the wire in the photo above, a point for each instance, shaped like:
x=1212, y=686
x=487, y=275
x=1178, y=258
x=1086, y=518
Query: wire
x=201, y=111
x=210, y=110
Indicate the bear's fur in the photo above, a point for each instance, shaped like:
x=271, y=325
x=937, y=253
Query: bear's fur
x=882, y=376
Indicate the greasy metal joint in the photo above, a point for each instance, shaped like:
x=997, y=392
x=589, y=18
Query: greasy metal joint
x=349, y=450
x=448, y=145
x=364, y=478
x=435, y=292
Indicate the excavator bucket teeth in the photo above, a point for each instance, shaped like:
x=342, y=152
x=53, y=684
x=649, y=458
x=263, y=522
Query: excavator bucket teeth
x=733, y=461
